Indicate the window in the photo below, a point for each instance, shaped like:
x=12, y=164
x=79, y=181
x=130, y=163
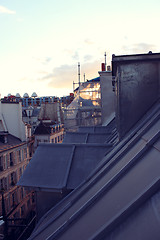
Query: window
x=20, y=172
x=7, y=204
x=7, y=161
x=22, y=193
x=19, y=155
x=2, y=183
x=33, y=197
x=28, y=203
x=6, y=183
x=25, y=152
x=13, y=199
x=11, y=159
x=1, y=163
x=22, y=210
x=13, y=179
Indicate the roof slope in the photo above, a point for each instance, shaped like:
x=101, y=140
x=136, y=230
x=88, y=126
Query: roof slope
x=110, y=128
x=121, y=198
x=77, y=137
x=12, y=141
x=43, y=128
x=58, y=166
x=49, y=111
x=94, y=134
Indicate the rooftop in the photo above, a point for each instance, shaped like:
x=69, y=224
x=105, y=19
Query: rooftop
x=58, y=166
x=120, y=198
x=121, y=192
x=12, y=141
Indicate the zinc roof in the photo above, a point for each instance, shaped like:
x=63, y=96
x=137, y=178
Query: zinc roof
x=58, y=166
x=120, y=199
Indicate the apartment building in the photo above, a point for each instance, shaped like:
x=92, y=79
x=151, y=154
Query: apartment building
x=51, y=127
x=16, y=150
x=47, y=132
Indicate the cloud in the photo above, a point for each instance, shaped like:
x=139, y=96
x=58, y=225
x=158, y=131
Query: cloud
x=139, y=48
x=88, y=41
x=87, y=58
x=42, y=60
x=75, y=56
x=68, y=51
x=63, y=76
x=48, y=76
x=6, y=10
x=91, y=69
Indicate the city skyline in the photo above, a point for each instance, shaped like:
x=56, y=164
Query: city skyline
x=43, y=41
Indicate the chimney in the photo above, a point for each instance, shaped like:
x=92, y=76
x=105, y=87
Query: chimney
x=137, y=80
x=3, y=137
x=103, y=67
x=107, y=97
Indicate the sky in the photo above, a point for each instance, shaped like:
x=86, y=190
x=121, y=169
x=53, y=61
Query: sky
x=42, y=41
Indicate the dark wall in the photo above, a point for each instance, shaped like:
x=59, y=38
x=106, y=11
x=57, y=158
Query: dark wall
x=137, y=89
x=45, y=201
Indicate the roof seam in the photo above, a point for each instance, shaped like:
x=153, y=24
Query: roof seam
x=129, y=209
x=109, y=184
x=69, y=167
x=86, y=140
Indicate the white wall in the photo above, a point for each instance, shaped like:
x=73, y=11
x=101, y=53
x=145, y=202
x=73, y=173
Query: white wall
x=12, y=115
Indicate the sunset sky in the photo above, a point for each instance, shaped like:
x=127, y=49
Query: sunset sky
x=42, y=41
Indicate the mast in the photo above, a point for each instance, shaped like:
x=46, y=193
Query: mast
x=79, y=75
x=105, y=61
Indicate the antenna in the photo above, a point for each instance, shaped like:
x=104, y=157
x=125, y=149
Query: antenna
x=105, y=60
x=84, y=77
x=79, y=75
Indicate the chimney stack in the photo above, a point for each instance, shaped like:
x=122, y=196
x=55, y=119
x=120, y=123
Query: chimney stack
x=137, y=87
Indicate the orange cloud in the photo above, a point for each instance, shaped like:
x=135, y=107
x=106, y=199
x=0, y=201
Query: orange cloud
x=63, y=76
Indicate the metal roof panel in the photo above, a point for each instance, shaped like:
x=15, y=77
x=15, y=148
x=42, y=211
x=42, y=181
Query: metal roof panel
x=47, y=168
x=125, y=179
x=79, y=137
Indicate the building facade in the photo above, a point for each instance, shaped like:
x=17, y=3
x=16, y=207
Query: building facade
x=13, y=161
x=16, y=150
x=47, y=132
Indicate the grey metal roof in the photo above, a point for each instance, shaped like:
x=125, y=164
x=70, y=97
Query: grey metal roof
x=12, y=141
x=49, y=111
x=120, y=200
x=99, y=129
x=79, y=137
x=57, y=166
